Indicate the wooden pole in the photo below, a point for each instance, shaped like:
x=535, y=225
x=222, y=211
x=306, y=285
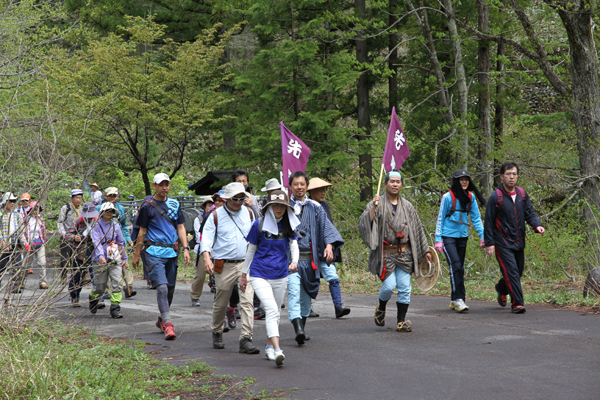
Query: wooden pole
x=380, y=177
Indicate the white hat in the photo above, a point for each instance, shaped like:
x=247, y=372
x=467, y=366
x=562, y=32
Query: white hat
x=232, y=189
x=158, y=178
x=107, y=206
x=111, y=190
x=271, y=184
x=7, y=197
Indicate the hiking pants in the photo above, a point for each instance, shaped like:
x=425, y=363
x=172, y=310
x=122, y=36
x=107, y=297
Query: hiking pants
x=102, y=273
x=455, y=250
x=199, y=278
x=512, y=263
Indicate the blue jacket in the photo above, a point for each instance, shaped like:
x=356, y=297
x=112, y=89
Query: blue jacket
x=505, y=226
x=451, y=226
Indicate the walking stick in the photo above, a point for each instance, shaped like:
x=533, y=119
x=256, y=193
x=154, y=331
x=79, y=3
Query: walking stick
x=379, y=184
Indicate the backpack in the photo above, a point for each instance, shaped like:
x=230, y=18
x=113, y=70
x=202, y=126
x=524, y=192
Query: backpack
x=500, y=196
x=453, y=209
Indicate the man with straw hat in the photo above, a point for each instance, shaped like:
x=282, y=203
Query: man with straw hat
x=318, y=240
x=316, y=190
x=96, y=194
x=394, y=234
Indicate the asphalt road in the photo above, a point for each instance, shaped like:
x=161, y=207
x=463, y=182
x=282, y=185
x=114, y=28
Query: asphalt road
x=489, y=353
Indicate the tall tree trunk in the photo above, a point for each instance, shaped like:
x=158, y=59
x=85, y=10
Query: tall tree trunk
x=393, y=58
x=485, y=128
x=442, y=92
x=461, y=85
x=364, y=118
x=499, y=111
x=585, y=103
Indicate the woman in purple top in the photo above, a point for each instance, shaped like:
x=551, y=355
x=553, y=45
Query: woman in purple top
x=271, y=239
x=109, y=258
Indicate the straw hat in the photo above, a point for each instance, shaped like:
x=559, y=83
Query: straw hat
x=95, y=184
x=428, y=272
x=316, y=183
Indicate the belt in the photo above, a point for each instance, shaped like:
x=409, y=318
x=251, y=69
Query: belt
x=233, y=261
x=305, y=256
x=393, y=249
x=149, y=243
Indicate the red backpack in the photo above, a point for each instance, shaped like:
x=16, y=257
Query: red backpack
x=500, y=197
x=453, y=209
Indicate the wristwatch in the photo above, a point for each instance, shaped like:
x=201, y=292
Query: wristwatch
x=186, y=248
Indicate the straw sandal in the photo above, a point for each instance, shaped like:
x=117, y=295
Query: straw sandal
x=379, y=316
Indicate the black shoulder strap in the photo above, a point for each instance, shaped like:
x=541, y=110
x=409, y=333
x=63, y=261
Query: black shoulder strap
x=162, y=212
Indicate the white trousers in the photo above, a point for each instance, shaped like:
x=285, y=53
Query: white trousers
x=37, y=259
x=271, y=293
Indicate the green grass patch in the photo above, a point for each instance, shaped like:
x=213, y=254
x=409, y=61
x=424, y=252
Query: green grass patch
x=52, y=360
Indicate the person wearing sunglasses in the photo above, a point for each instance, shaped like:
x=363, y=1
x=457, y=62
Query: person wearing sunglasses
x=224, y=237
x=12, y=240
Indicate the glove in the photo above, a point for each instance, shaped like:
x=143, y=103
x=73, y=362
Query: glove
x=439, y=247
x=26, y=246
x=482, y=243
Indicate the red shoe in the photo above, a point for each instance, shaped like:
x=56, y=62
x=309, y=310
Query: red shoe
x=169, y=331
x=502, y=300
x=30, y=271
x=160, y=325
x=518, y=310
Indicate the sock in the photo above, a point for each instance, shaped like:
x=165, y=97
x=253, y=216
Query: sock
x=382, y=305
x=269, y=346
x=163, y=302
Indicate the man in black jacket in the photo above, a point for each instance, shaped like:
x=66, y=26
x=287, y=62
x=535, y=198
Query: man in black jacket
x=508, y=209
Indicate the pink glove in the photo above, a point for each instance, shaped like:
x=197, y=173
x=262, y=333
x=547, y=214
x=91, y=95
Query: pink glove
x=439, y=247
x=482, y=243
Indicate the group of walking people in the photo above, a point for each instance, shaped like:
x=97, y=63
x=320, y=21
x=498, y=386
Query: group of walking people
x=256, y=252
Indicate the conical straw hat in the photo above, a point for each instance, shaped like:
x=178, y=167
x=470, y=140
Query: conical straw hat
x=428, y=272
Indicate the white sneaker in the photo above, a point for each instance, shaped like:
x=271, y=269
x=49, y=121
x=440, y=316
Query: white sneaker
x=453, y=305
x=279, y=358
x=460, y=306
x=270, y=353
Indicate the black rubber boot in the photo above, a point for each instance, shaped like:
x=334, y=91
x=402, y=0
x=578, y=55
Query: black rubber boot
x=93, y=305
x=299, y=329
x=115, y=311
x=341, y=311
x=306, y=337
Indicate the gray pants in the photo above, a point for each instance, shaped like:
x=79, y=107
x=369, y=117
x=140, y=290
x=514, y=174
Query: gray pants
x=101, y=274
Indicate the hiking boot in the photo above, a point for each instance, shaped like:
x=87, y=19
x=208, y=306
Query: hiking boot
x=93, y=305
x=218, y=341
x=16, y=289
x=247, y=347
x=115, y=311
x=502, y=299
x=169, y=331
x=379, y=316
x=460, y=306
x=160, y=325
x=195, y=302
x=75, y=302
x=101, y=304
x=29, y=272
x=404, y=326
x=341, y=311
x=43, y=285
x=279, y=358
x=259, y=313
x=225, y=327
x=231, y=317
x=518, y=310
x=128, y=291
x=313, y=313
x=270, y=353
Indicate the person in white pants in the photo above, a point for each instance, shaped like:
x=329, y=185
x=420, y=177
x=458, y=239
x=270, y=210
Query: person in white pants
x=267, y=264
x=35, y=233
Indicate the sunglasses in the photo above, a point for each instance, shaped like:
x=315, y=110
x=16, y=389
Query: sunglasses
x=12, y=201
x=238, y=199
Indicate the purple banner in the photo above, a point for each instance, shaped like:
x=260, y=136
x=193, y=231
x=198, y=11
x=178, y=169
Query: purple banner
x=295, y=154
x=396, y=147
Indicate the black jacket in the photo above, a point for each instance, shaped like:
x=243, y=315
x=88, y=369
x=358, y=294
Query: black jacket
x=506, y=226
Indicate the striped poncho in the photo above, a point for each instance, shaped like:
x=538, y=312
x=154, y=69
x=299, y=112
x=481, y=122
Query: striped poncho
x=374, y=233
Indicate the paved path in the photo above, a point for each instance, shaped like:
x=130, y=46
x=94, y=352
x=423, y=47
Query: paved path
x=489, y=353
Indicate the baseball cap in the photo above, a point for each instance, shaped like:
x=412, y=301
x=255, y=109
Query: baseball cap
x=161, y=177
x=25, y=196
x=111, y=190
x=76, y=192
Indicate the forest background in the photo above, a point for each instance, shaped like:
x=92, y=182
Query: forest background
x=114, y=91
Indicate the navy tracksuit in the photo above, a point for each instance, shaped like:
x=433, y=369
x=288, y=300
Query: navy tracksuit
x=504, y=228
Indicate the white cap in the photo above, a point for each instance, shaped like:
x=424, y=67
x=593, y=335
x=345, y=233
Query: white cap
x=233, y=189
x=158, y=178
x=271, y=184
x=107, y=205
x=111, y=190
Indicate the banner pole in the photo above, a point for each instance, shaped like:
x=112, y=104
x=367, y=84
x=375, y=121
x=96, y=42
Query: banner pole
x=380, y=177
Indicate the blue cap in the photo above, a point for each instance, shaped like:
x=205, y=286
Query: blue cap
x=76, y=192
